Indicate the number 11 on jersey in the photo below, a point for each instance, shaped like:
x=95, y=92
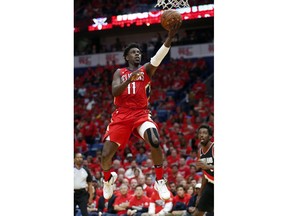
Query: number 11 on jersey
x=133, y=88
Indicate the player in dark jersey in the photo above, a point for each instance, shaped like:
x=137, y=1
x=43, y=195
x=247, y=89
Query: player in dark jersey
x=205, y=199
x=131, y=90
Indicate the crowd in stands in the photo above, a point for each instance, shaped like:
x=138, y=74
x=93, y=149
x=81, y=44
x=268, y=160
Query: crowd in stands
x=179, y=103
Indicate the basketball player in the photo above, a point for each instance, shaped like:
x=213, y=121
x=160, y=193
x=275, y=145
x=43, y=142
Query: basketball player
x=131, y=90
x=205, y=198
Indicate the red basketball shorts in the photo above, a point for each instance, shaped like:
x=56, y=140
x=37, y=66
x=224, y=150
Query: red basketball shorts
x=124, y=122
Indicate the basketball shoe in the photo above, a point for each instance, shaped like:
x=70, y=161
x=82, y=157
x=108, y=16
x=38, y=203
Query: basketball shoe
x=108, y=185
x=162, y=189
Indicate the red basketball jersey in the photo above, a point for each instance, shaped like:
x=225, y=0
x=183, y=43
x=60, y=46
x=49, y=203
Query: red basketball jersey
x=137, y=93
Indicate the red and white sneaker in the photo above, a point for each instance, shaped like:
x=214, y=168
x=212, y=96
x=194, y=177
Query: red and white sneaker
x=108, y=186
x=162, y=189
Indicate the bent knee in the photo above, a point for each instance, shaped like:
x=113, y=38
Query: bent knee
x=155, y=142
x=152, y=137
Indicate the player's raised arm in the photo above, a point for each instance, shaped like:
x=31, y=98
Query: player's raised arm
x=162, y=52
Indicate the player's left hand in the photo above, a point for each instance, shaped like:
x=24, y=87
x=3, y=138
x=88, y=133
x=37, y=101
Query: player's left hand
x=173, y=31
x=202, y=165
x=134, y=76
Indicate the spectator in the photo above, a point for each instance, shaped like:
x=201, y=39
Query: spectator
x=80, y=144
x=121, y=203
x=89, y=131
x=147, y=190
x=116, y=164
x=105, y=207
x=173, y=158
x=172, y=187
x=179, y=178
x=180, y=201
x=192, y=158
x=120, y=180
x=128, y=160
x=130, y=171
x=199, y=88
x=149, y=181
x=98, y=178
x=159, y=207
x=183, y=169
x=166, y=169
x=184, y=149
x=147, y=167
x=139, y=203
x=141, y=156
x=193, y=173
x=173, y=175
x=190, y=190
x=192, y=202
x=133, y=184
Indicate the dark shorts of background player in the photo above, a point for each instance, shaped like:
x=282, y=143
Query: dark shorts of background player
x=206, y=202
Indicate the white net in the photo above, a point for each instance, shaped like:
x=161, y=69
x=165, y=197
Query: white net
x=169, y=4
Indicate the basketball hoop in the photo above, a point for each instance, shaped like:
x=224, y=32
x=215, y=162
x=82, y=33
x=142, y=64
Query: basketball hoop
x=169, y=4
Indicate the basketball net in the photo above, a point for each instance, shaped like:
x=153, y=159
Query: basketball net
x=169, y=4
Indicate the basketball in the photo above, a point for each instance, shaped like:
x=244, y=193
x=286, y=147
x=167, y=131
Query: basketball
x=169, y=18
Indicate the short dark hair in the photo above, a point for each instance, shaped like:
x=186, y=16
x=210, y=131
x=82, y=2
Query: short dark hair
x=206, y=127
x=139, y=186
x=180, y=186
x=130, y=46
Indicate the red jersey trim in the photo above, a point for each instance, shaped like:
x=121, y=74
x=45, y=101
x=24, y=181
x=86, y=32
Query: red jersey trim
x=208, y=176
x=212, y=144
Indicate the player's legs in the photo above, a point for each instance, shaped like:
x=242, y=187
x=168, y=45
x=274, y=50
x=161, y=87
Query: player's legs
x=206, y=202
x=117, y=134
x=108, y=151
x=148, y=131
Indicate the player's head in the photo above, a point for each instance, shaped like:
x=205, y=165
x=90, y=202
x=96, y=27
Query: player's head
x=132, y=54
x=204, y=134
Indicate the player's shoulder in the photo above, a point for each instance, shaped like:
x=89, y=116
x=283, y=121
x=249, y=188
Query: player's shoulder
x=119, y=71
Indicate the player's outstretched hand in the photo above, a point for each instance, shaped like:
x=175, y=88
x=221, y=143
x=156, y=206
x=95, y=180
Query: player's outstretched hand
x=174, y=29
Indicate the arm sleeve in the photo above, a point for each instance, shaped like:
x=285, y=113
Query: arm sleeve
x=159, y=56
